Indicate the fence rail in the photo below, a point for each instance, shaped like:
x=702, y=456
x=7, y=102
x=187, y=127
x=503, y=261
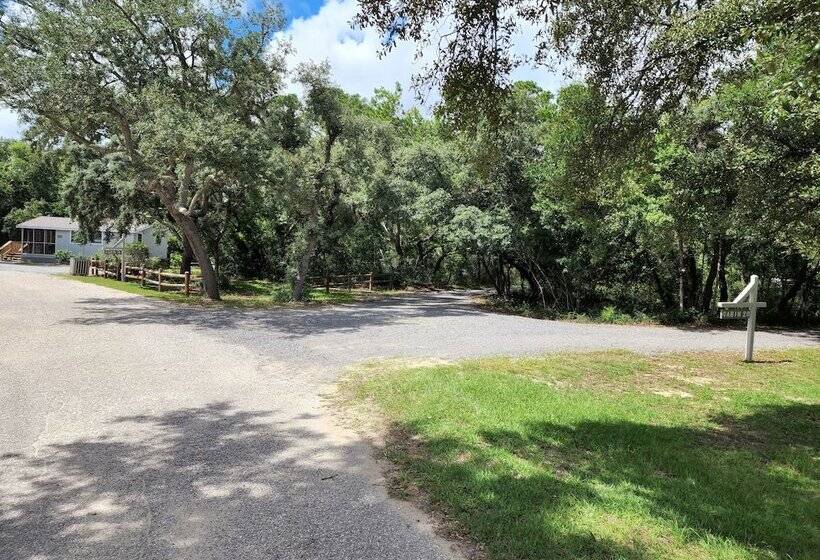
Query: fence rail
x=349, y=282
x=79, y=266
x=147, y=277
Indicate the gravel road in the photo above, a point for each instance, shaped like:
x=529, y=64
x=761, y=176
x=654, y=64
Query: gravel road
x=132, y=428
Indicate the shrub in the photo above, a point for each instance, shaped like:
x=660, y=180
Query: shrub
x=110, y=257
x=62, y=256
x=136, y=253
x=610, y=314
x=283, y=293
x=175, y=261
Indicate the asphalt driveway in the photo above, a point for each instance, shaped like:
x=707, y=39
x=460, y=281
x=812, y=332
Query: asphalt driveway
x=132, y=428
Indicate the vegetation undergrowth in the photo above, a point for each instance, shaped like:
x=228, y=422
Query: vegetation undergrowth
x=616, y=316
x=608, y=455
x=607, y=314
x=252, y=294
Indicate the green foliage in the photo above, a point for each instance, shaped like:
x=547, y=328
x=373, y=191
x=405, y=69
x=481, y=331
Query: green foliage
x=645, y=57
x=155, y=263
x=29, y=185
x=135, y=253
x=610, y=314
x=163, y=100
x=62, y=257
x=637, y=191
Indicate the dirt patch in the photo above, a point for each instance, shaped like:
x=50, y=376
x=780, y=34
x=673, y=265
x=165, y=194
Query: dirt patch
x=672, y=393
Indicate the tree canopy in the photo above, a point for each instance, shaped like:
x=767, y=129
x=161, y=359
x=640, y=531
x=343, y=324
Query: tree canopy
x=168, y=93
x=645, y=56
x=684, y=160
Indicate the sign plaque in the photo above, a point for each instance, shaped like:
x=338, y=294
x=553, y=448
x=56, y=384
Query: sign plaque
x=745, y=306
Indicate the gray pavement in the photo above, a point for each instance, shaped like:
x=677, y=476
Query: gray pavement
x=132, y=428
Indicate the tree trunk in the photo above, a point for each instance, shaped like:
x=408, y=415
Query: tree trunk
x=191, y=231
x=303, y=266
x=437, y=266
x=681, y=275
x=692, y=279
x=785, y=300
x=312, y=232
x=709, y=286
x=502, y=280
x=666, y=297
x=187, y=255
x=536, y=290
x=497, y=282
x=725, y=247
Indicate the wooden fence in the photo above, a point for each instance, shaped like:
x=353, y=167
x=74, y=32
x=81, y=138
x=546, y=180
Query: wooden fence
x=159, y=279
x=79, y=266
x=349, y=282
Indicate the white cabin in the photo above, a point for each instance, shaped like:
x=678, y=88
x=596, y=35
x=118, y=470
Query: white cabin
x=43, y=236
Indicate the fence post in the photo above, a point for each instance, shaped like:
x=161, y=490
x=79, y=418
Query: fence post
x=142, y=276
x=370, y=282
x=159, y=280
x=327, y=284
x=187, y=283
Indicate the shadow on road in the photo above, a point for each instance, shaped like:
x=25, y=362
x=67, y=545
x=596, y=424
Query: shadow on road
x=299, y=322
x=208, y=482
x=290, y=322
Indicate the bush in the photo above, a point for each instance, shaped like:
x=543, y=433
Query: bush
x=136, y=253
x=283, y=293
x=610, y=314
x=62, y=256
x=109, y=258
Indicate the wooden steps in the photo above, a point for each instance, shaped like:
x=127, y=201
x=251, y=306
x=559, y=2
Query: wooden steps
x=11, y=251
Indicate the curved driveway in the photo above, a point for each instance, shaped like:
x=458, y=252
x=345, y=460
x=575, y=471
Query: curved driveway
x=132, y=428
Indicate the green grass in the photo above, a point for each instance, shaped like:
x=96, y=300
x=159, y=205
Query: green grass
x=251, y=294
x=608, y=455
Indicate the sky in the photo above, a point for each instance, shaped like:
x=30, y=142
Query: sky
x=320, y=30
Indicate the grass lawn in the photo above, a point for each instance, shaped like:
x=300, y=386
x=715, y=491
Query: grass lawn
x=253, y=294
x=608, y=455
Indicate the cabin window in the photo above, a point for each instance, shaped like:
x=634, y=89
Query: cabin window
x=39, y=241
x=75, y=237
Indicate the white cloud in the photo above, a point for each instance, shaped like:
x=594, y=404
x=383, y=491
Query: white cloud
x=353, y=54
x=9, y=125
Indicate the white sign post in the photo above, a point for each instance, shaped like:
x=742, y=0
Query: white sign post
x=745, y=305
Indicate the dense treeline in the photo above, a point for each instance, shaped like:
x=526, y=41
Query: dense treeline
x=564, y=200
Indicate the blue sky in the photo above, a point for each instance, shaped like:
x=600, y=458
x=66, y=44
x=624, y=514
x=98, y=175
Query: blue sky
x=301, y=8
x=296, y=8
